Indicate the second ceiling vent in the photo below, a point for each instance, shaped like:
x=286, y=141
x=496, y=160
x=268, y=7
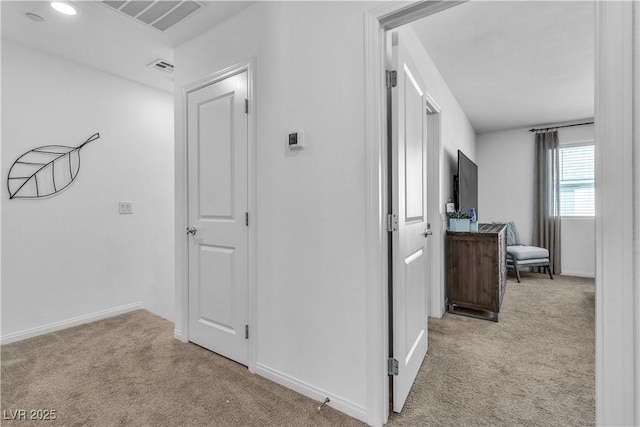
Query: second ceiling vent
x=160, y=15
x=162, y=65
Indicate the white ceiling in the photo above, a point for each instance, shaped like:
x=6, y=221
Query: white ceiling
x=514, y=64
x=510, y=64
x=107, y=40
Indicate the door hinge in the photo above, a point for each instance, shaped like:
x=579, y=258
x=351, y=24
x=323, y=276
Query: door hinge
x=246, y=332
x=392, y=366
x=246, y=106
x=246, y=219
x=392, y=222
x=392, y=79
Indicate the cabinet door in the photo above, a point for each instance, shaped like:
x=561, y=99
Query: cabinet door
x=473, y=278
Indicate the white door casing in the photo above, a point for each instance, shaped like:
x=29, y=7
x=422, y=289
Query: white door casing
x=217, y=148
x=378, y=22
x=409, y=204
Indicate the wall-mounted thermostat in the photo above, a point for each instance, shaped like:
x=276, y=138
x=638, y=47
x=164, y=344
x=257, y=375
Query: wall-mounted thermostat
x=295, y=139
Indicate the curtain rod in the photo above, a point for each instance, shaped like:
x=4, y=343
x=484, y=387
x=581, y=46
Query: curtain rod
x=557, y=127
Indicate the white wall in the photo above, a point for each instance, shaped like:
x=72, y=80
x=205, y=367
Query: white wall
x=310, y=209
x=505, y=188
x=310, y=327
x=578, y=246
x=71, y=258
x=456, y=130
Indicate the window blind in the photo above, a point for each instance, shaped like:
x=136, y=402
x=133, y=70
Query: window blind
x=577, y=179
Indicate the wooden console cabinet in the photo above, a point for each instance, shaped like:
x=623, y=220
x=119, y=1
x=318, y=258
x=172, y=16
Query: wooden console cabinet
x=477, y=270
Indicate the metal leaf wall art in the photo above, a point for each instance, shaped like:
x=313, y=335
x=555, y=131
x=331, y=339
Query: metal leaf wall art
x=45, y=171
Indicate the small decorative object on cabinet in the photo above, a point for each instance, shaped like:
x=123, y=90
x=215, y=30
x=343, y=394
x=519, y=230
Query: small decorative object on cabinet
x=459, y=221
x=477, y=271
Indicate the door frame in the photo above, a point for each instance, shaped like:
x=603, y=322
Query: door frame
x=617, y=120
x=377, y=23
x=181, y=331
x=435, y=243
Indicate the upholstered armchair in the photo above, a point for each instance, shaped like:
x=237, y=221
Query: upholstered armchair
x=520, y=256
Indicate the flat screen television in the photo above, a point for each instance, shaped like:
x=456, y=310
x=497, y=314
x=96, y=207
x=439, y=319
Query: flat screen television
x=465, y=184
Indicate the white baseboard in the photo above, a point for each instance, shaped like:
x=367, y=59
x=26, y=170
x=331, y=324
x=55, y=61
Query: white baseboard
x=590, y=274
x=64, y=324
x=336, y=402
x=177, y=334
x=443, y=310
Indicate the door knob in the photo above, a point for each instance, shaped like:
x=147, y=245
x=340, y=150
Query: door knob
x=192, y=230
x=427, y=231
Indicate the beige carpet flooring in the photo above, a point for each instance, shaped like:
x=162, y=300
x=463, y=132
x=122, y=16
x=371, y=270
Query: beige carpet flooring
x=533, y=368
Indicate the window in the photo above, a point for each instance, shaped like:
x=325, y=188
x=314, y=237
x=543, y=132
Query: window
x=577, y=190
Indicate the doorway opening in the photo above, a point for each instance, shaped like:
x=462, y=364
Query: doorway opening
x=379, y=24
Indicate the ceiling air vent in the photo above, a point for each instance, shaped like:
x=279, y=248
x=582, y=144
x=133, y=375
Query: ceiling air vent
x=162, y=65
x=160, y=14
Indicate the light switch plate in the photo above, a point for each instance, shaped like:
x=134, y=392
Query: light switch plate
x=126, y=207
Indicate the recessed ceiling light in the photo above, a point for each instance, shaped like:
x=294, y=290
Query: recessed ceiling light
x=34, y=17
x=64, y=8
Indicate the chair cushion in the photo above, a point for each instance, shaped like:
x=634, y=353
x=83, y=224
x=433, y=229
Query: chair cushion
x=513, y=237
x=527, y=252
x=512, y=233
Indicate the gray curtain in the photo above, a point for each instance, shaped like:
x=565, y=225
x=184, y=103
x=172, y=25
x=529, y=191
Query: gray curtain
x=546, y=205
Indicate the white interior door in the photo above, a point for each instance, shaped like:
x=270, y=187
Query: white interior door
x=217, y=147
x=409, y=204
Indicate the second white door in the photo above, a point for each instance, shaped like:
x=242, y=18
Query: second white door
x=217, y=144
